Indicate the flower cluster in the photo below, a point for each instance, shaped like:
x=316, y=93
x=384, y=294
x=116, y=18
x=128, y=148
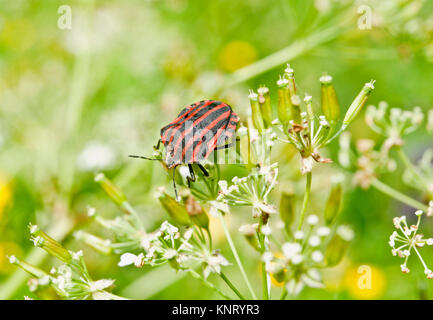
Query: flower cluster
x=71, y=279
x=252, y=190
x=393, y=123
x=420, y=175
x=407, y=240
x=182, y=252
x=307, y=131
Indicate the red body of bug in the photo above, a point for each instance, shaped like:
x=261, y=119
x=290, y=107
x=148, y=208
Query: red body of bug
x=199, y=129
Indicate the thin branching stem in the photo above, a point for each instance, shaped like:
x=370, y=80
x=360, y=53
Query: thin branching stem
x=397, y=195
x=235, y=254
x=306, y=198
x=230, y=284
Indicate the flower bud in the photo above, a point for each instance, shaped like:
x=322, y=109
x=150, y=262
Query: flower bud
x=358, y=104
x=330, y=106
x=110, y=189
x=101, y=245
x=250, y=233
x=296, y=109
x=245, y=147
x=265, y=106
x=309, y=103
x=44, y=241
x=333, y=205
x=289, y=74
x=176, y=210
x=31, y=269
x=197, y=213
x=284, y=103
x=338, y=245
x=255, y=111
x=287, y=208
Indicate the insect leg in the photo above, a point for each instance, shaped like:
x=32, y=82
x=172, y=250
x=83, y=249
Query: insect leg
x=203, y=170
x=226, y=146
x=191, y=177
x=157, y=145
x=174, y=184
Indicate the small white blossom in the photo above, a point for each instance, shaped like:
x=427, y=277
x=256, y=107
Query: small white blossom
x=291, y=249
x=297, y=259
x=127, y=259
x=91, y=211
x=100, y=285
x=266, y=230
x=314, y=241
x=267, y=257
x=77, y=255
x=345, y=233
x=247, y=229
x=312, y=219
x=12, y=259
x=214, y=262
x=323, y=231
x=96, y=156
x=217, y=206
x=418, y=213
x=299, y=235
x=317, y=256
x=404, y=268
x=223, y=186
x=168, y=228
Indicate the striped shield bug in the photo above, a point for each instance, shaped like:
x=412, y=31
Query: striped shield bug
x=198, y=130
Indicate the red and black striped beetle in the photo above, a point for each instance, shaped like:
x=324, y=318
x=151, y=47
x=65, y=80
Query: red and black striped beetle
x=199, y=129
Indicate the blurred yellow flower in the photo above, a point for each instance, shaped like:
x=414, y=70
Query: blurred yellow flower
x=236, y=54
x=365, y=282
x=5, y=193
x=274, y=281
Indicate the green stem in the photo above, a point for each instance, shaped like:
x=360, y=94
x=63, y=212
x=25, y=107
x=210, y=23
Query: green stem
x=210, y=238
x=379, y=185
x=409, y=166
x=264, y=273
x=208, y=284
x=306, y=198
x=226, y=280
x=280, y=57
x=235, y=254
x=283, y=294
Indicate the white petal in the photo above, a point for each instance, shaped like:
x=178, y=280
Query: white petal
x=126, y=259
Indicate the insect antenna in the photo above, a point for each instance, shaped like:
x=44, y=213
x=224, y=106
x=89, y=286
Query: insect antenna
x=141, y=157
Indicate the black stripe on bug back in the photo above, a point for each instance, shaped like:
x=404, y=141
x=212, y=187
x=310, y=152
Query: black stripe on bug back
x=185, y=111
x=192, y=120
x=194, y=154
x=194, y=131
x=192, y=116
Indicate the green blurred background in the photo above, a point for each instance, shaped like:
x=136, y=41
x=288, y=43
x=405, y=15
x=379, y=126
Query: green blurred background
x=77, y=101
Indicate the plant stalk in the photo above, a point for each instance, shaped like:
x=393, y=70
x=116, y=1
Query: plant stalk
x=382, y=187
x=306, y=198
x=235, y=254
x=230, y=284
